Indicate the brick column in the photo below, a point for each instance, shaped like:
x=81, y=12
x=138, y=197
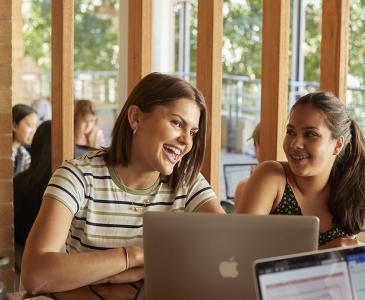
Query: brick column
x=17, y=52
x=6, y=175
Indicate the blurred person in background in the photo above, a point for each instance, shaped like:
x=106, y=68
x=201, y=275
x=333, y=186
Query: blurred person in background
x=25, y=120
x=255, y=136
x=43, y=108
x=87, y=135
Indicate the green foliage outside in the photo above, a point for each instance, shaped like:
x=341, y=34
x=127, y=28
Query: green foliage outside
x=356, y=41
x=241, y=54
x=96, y=39
x=96, y=45
x=242, y=24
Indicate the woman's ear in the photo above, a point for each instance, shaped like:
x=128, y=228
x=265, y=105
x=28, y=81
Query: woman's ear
x=14, y=126
x=134, y=117
x=339, y=145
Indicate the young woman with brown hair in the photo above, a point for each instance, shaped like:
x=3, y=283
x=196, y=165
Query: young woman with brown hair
x=95, y=203
x=324, y=174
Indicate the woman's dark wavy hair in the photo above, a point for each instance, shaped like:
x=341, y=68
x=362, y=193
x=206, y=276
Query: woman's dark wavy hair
x=153, y=90
x=347, y=179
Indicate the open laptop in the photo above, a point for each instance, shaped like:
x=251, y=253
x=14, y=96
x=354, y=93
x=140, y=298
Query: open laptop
x=233, y=174
x=337, y=274
x=209, y=256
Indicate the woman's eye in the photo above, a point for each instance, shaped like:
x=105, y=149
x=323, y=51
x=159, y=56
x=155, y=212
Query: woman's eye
x=310, y=134
x=177, y=123
x=290, y=132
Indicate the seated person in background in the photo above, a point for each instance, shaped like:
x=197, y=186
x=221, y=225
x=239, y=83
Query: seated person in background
x=324, y=175
x=95, y=204
x=30, y=184
x=25, y=121
x=85, y=125
x=29, y=187
x=241, y=185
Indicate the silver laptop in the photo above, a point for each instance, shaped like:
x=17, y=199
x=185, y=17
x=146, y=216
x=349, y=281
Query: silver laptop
x=209, y=256
x=337, y=274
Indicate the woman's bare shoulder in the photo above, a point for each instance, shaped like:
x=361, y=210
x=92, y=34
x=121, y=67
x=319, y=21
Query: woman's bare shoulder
x=272, y=168
x=262, y=189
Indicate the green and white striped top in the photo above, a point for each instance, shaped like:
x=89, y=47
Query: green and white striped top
x=108, y=214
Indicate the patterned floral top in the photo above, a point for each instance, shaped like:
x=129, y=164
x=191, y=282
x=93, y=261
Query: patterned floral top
x=289, y=206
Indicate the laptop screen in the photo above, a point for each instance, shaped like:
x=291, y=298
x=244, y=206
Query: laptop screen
x=330, y=274
x=233, y=174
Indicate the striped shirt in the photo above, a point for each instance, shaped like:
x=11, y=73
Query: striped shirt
x=108, y=214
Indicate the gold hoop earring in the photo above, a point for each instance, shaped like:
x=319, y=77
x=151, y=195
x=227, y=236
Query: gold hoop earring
x=134, y=131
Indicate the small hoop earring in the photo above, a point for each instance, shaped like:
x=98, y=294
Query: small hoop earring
x=134, y=131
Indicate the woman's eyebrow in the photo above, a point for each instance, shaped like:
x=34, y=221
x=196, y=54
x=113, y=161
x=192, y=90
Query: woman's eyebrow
x=310, y=128
x=289, y=126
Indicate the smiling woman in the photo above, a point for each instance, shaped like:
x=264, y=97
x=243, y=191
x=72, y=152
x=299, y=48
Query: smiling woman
x=324, y=175
x=94, y=204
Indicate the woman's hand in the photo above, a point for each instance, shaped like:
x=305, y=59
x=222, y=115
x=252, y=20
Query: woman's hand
x=341, y=242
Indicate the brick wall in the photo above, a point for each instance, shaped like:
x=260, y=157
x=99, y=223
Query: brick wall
x=6, y=184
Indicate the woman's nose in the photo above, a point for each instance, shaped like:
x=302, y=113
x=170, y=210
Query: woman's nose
x=297, y=142
x=186, y=137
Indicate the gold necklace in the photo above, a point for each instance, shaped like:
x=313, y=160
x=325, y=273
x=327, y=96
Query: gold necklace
x=133, y=206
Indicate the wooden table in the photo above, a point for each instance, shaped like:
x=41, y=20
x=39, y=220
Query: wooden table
x=123, y=291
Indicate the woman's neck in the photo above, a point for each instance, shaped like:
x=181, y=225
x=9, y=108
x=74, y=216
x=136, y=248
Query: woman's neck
x=135, y=179
x=311, y=184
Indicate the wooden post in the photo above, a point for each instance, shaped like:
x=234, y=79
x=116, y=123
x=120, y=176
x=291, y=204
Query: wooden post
x=62, y=81
x=7, y=46
x=334, y=46
x=274, y=78
x=139, y=40
x=209, y=81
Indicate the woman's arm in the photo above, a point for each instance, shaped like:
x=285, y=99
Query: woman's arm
x=347, y=241
x=262, y=189
x=212, y=206
x=239, y=191
x=46, y=269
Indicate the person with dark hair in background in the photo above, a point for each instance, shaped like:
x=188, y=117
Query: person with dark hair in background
x=30, y=184
x=29, y=187
x=324, y=174
x=95, y=203
x=25, y=121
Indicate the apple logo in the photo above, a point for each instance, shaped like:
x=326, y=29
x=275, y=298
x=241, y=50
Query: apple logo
x=228, y=268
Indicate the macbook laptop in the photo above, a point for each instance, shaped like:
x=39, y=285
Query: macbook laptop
x=337, y=274
x=209, y=256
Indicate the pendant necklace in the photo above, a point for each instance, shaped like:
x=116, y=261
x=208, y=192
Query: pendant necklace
x=134, y=207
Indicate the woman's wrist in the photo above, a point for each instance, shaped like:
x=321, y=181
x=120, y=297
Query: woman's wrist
x=126, y=258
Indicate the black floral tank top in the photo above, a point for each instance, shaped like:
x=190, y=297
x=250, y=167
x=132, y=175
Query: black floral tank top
x=289, y=206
